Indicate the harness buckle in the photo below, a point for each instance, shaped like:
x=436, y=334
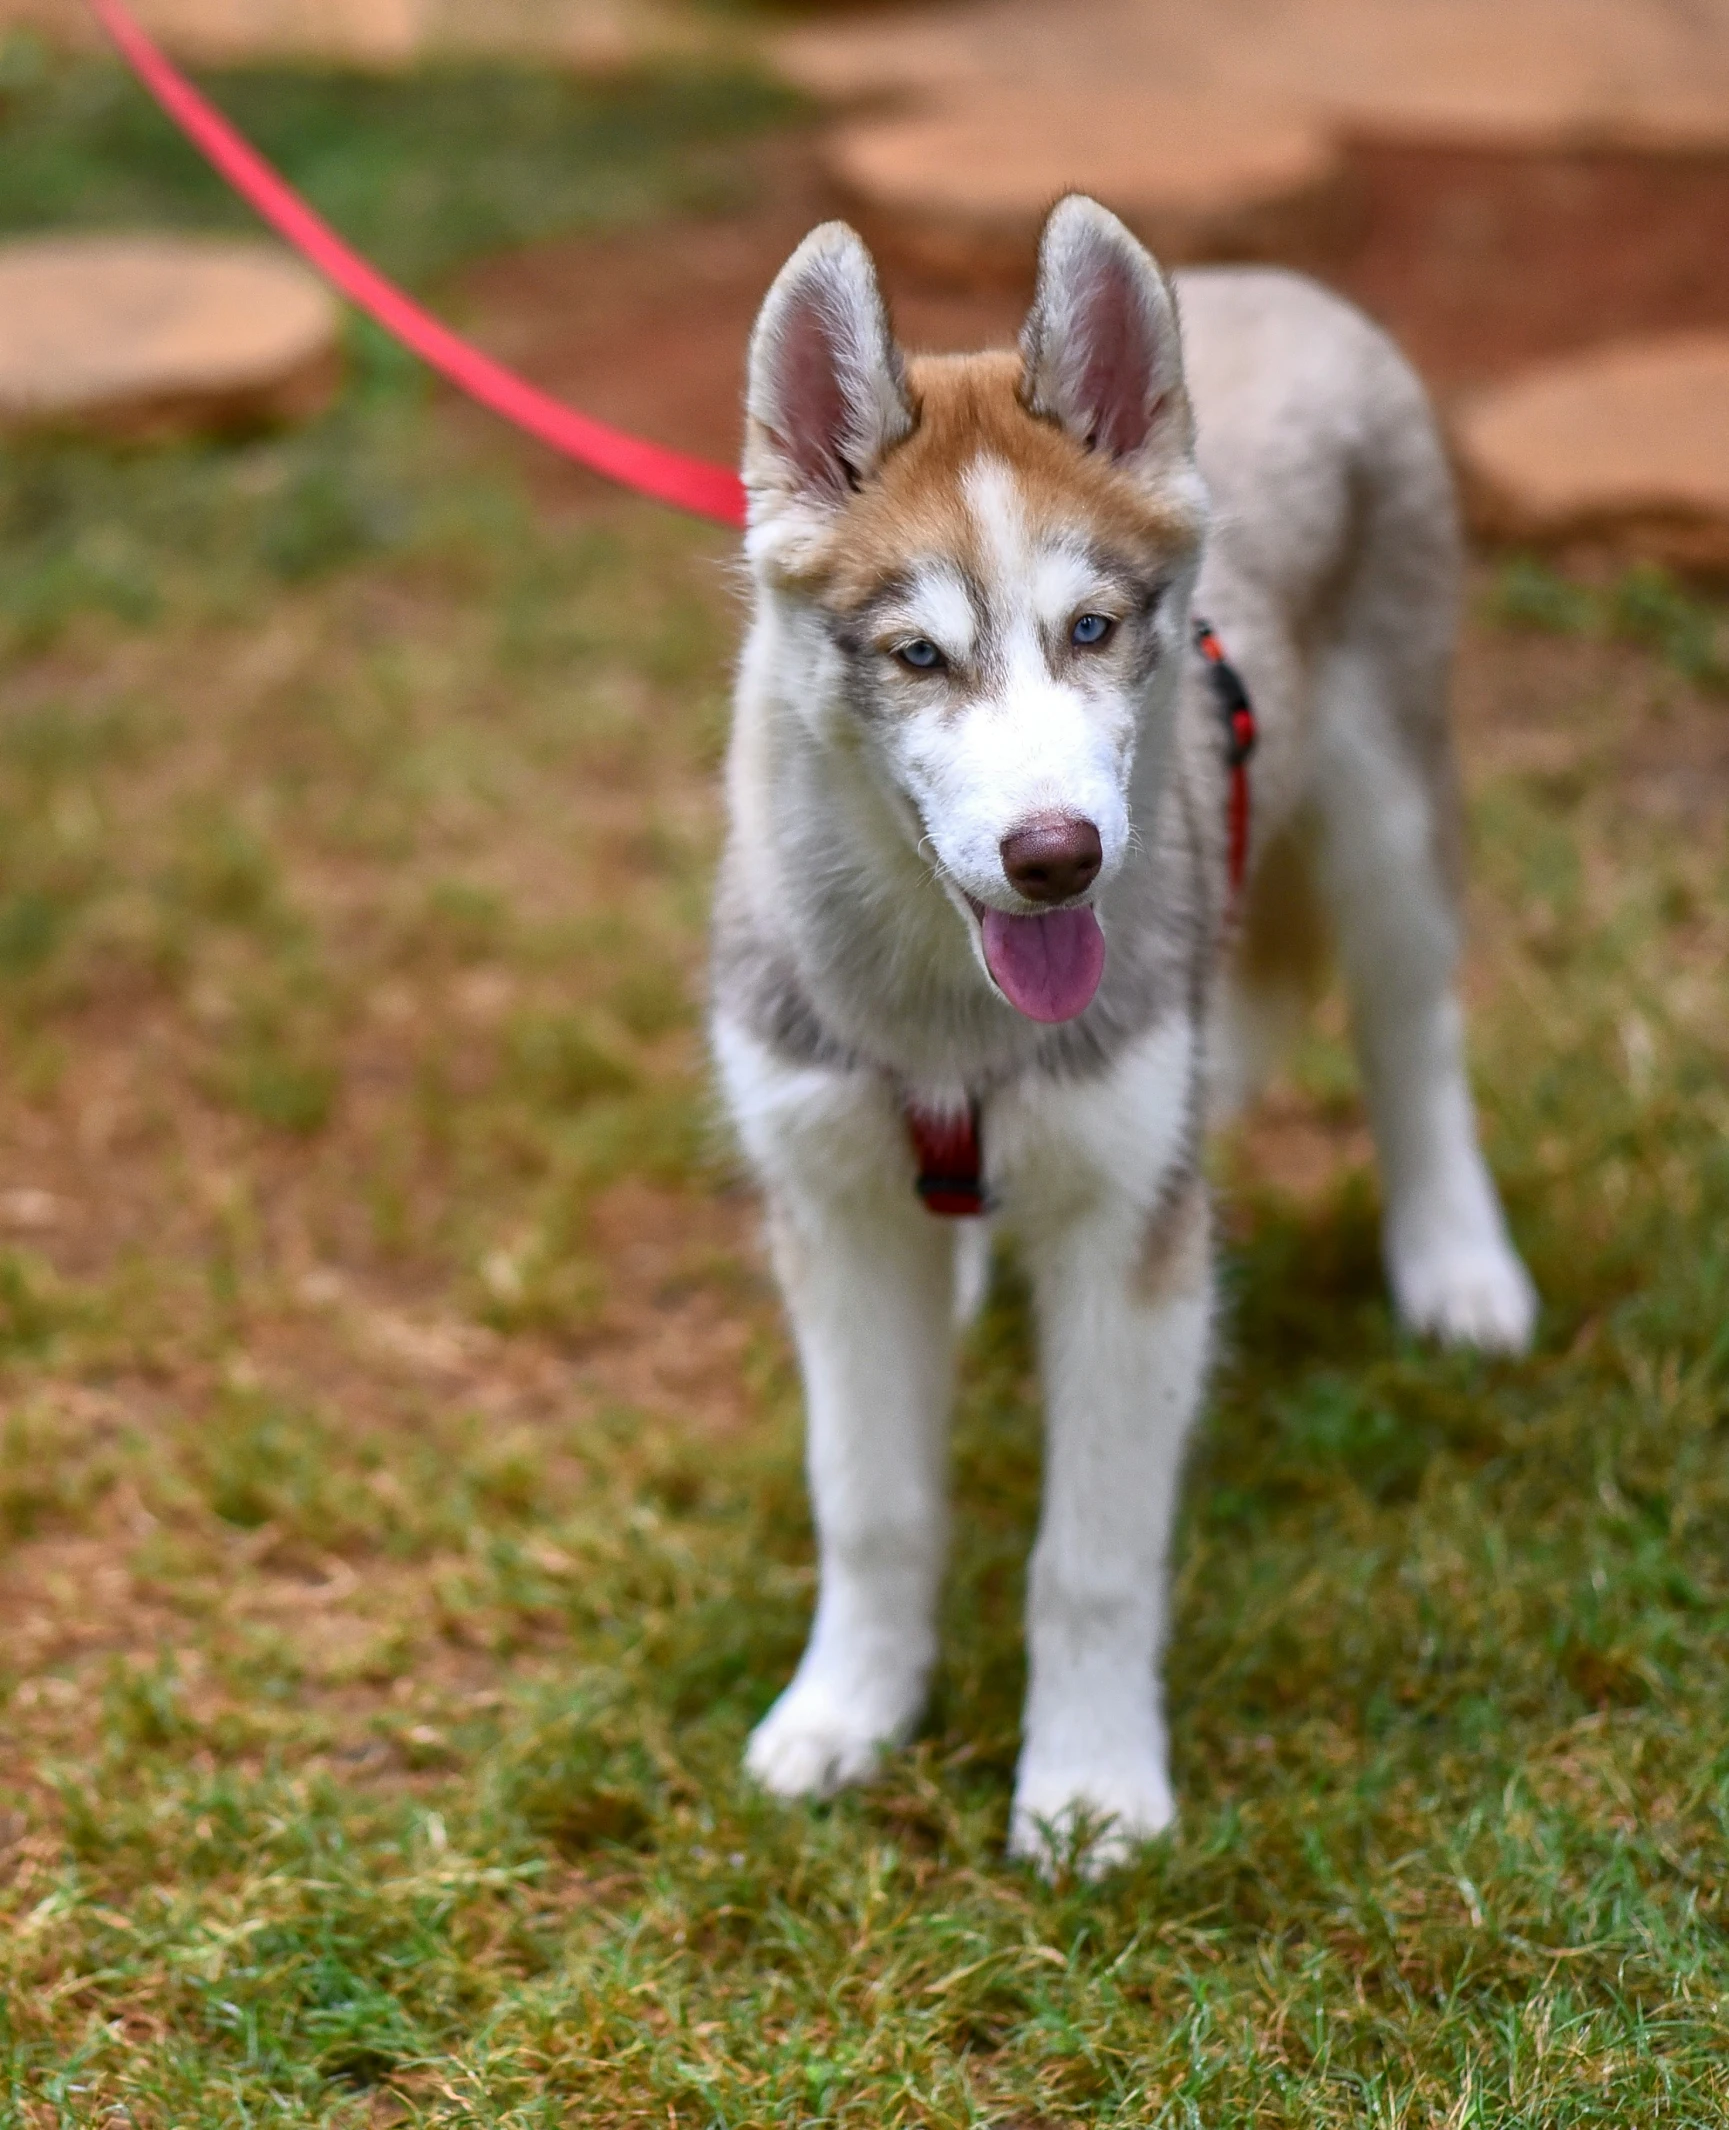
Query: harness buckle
x=951, y=1160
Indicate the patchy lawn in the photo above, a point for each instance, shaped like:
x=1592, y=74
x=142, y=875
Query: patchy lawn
x=399, y=1469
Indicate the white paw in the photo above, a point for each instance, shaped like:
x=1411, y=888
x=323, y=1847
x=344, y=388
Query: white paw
x=810, y=1744
x=1467, y=1294
x=1092, y=1820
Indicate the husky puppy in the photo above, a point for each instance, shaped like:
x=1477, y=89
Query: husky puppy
x=977, y=856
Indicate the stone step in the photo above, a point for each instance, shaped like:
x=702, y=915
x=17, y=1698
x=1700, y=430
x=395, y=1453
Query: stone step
x=391, y=33
x=370, y=33
x=957, y=193
x=1224, y=131
x=1626, y=444
x=144, y=336
x=1534, y=73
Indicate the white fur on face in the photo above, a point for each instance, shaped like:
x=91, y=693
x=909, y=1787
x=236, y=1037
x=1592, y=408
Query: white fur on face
x=1023, y=724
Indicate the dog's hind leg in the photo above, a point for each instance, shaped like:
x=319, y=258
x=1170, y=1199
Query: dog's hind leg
x=1384, y=786
x=1276, y=973
x=1386, y=802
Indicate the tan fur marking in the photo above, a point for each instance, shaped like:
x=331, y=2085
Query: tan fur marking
x=966, y=407
x=1176, y=1251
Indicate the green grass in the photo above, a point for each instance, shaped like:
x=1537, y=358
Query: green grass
x=401, y=1520
x=419, y=174
x=1645, y=605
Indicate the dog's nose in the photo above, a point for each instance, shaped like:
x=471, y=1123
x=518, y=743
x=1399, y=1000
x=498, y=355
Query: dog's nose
x=1052, y=857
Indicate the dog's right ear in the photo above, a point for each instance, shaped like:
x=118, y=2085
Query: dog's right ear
x=827, y=393
x=1101, y=346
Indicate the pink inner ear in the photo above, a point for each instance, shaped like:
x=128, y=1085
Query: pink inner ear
x=1116, y=376
x=812, y=410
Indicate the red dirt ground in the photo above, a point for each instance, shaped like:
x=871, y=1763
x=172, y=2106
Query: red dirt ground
x=1478, y=262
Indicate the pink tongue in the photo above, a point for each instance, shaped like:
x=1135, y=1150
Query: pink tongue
x=1049, y=967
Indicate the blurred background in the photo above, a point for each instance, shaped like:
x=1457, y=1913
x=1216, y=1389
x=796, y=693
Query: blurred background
x=1501, y=181
x=400, y=1510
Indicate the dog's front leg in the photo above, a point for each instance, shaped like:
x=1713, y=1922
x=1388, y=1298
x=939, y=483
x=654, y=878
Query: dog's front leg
x=1124, y=1306
x=869, y=1287
x=868, y=1277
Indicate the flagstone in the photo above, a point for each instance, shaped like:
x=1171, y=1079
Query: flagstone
x=146, y=335
x=959, y=192
x=1628, y=443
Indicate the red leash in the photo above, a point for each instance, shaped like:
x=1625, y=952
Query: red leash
x=696, y=485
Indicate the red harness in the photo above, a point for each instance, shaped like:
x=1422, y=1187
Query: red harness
x=950, y=1155
x=1237, y=715
x=951, y=1180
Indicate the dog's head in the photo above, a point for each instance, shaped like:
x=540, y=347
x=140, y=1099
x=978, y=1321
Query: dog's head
x=984, y=562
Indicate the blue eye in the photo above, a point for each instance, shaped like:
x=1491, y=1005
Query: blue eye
x=1091, y=629
x=922, y=655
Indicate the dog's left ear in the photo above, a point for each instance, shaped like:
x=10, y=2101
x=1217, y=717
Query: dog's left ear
x=1101, y=345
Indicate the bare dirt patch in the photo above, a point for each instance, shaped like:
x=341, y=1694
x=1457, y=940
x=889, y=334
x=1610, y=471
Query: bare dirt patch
x=648, y=329
x=1481, y=261
x=1477, y=260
